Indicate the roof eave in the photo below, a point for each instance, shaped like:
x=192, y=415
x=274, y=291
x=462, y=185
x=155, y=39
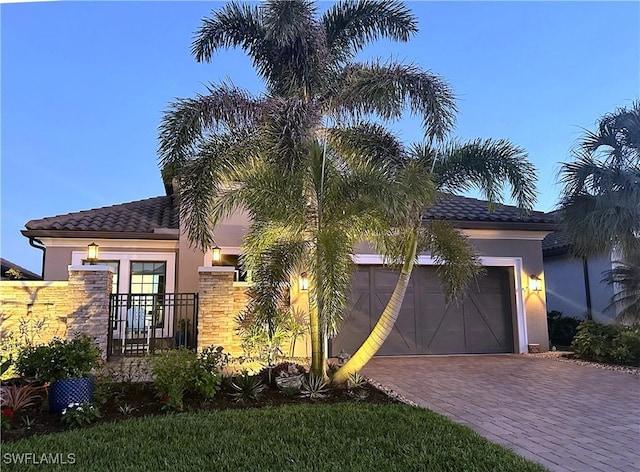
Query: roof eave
x=47, y=233
x=517, y=225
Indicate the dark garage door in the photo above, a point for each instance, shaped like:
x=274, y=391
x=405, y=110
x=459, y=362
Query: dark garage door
x=480, y=323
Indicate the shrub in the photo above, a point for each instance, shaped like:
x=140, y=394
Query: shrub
x=626, y=347
x=173, y=374
x=207, y=371
x=179, y=370
x=562, y=329
x=609, y=343
x=59, y=359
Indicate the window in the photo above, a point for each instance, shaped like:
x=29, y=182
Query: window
x=234, y=260
x=147, y=280
x=115, y=265
x=148, y=277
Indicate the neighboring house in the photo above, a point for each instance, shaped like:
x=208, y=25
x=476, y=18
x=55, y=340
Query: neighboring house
x=25, y=274
x=574, y=285
x=142, y=241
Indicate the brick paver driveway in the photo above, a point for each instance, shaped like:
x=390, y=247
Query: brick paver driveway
x=565, y=416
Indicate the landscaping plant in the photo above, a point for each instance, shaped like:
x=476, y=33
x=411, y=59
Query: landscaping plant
x=608, y=343
x=247, y=387
x=207, y=374
x=180, y=370
x=173, y=375
x=314, y=387
x=59, y=359
x=77, y=415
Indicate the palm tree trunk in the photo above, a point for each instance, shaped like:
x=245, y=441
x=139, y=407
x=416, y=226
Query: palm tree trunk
x=383, y=327
x=318, y=367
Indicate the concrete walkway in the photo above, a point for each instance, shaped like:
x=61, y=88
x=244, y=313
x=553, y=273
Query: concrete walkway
x=565, y=416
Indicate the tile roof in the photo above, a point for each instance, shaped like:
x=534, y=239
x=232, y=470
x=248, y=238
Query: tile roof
x=5, y=265
x=141, y=216
x=465, y=209
x=144, y=216
x=556, y=242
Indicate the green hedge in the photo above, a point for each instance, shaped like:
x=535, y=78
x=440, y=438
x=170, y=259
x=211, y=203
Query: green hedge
x=608, y=343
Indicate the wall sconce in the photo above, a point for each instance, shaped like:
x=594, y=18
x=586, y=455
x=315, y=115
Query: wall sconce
x=304, y=281
x=535, y=283
x=216, y=255
x=93, y=252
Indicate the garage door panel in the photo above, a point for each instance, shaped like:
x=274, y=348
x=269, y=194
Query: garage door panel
x=403, y=335
x=356, y=324
x=448, y=335
x=485, y=330
x=480, y=323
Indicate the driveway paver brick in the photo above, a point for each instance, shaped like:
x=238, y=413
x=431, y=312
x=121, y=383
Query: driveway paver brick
x=565, y=416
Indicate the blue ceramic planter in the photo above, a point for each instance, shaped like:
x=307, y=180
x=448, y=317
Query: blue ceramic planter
x=64, y=392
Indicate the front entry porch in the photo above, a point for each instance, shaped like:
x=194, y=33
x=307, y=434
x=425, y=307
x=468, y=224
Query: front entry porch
x=141, y=324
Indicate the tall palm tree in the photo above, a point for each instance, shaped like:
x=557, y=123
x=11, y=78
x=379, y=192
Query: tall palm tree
x=484, y=164
x=600, y=203
x=307, y=64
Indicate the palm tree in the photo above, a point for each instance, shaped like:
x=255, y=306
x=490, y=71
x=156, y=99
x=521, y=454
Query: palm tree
x=600, y=204
x=483, y=164
x=227, y=135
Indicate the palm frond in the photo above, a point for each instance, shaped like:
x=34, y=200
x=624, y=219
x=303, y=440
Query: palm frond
x=618, y=137
x=332, y=267
x=187, y=121
x=387, y=90
x=298, y=45
x=457, y=261
x=367, y=141
x=351, y=24
x=486, y=165
x=233, y=25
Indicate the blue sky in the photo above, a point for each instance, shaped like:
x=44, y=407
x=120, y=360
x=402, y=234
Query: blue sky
x=84, y=84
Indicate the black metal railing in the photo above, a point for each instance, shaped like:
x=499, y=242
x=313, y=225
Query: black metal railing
x=144, y=323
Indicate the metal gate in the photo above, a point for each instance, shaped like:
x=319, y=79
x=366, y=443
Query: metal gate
x=141, y=323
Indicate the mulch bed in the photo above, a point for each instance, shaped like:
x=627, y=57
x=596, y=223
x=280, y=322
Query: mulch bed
x=141, y=398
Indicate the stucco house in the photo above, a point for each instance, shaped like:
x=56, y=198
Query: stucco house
x=505, y=311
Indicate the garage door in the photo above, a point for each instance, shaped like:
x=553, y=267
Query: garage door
x=480, y=323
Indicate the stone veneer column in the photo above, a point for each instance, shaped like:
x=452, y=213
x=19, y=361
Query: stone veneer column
x=216, y=309
x=89, y=290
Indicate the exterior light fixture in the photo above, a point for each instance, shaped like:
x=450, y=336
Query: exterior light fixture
x=93, y=252
x=304, y=281
x=216, y=255
x=535, y=283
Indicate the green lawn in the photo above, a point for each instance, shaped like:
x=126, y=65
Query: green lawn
x=339, y=437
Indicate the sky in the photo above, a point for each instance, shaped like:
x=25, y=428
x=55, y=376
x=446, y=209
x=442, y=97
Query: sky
x=83, y=86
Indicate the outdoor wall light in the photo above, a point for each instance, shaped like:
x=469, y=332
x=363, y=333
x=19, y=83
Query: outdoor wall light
x=304, y=281
x=535, y=283
x=216, y=255
x=93, y=252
